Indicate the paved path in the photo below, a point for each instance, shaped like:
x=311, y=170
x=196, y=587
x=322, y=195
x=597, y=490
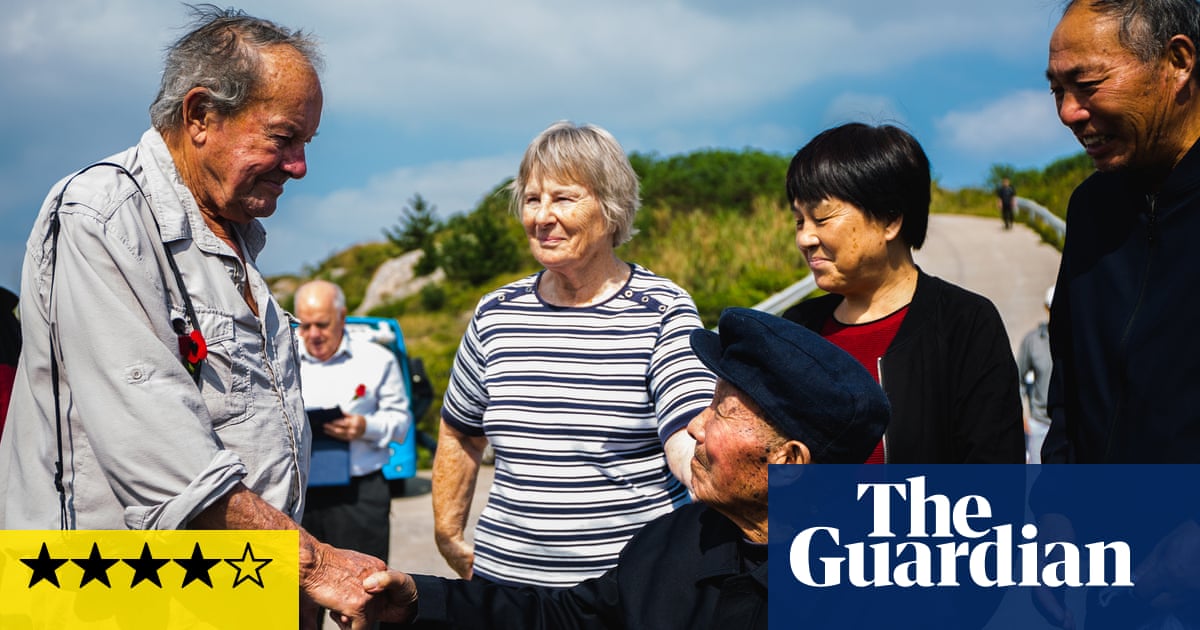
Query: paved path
x=1012, y=268
x=412, y=548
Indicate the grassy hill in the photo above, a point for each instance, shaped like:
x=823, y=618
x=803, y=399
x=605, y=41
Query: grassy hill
x=715, y=222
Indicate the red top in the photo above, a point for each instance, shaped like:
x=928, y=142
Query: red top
x=867, y=343
x=7, y=374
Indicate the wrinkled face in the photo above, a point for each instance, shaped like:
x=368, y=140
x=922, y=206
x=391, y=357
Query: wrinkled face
x=321, y=327
x=1119, y=108
x=733, y=447
x=846, y=249
x=564, y=224
x=245, y=158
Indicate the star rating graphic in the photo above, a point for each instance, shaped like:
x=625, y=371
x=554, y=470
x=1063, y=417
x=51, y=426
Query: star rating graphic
x=197, y=568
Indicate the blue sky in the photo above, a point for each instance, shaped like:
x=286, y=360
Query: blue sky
x=440, y=98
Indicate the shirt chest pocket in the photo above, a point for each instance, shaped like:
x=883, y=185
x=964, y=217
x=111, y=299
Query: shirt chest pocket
x=225, y=375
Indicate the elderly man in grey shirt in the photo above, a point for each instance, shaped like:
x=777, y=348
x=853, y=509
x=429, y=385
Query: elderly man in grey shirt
x=1034, y=364
x=159, y=388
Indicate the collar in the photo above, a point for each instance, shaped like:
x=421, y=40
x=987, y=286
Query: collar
x=182, y=219
x=720, y=557
x=343, y=349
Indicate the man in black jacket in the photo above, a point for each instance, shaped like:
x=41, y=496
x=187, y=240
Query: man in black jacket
x=783, y=395
x=1126, y=353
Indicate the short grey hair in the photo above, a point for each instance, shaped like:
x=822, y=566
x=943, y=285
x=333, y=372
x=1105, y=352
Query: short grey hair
x=222, y=52
x=1147, y=25
x=588, y=156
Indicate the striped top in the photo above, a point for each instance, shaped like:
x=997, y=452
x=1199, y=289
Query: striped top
x=576, y=403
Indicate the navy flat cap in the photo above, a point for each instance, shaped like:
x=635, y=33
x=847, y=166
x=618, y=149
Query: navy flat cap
x=809, y=389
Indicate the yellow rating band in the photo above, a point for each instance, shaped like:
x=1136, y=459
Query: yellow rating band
x=159, y=580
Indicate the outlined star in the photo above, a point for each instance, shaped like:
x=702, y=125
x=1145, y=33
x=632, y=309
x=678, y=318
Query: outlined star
x=44, y=567
x=95, y=567
x=196, y=567
x=145, y=567
x=243, y=571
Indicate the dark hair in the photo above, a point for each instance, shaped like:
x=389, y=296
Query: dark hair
x=1147, y=25
x=222, y=52
x=881, y=170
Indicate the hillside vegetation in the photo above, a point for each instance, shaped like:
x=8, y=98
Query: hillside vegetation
x=716, y=222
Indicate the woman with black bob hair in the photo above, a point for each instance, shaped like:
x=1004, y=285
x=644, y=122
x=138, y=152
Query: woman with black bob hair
x=860, y=196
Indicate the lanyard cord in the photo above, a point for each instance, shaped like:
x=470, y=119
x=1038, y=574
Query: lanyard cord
x=187, y=304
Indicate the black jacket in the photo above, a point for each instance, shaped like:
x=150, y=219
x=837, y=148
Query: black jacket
x=949, y=375
x=1123, y=327
x=683, y=570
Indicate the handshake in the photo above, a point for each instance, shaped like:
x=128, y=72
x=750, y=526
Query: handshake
x=358, y=589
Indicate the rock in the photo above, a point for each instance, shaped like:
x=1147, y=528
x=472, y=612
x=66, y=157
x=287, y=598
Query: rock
x=394, y=280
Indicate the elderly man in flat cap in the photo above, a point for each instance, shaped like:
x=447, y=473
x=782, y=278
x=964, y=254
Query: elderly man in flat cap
x=784, y=395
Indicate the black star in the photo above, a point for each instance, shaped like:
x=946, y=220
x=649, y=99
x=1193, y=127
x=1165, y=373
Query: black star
x=251, y=566
x=94, y=567
x=44, y=567
x=145, y=567
x=196, y=567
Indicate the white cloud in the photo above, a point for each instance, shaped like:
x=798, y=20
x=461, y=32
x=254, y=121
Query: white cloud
x=464, y=79
x=1018, y=124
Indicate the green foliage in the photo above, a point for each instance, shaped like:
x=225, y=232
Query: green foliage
x=710, y=180
x=416, y=227
x=474, y=248
x=416, y=230
x=353, y=268
x=723, y=258
x=433, y=297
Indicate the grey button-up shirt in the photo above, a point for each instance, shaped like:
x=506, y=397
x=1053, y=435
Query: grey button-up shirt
x=143, y=446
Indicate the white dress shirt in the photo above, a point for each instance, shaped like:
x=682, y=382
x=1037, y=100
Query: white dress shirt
x=384, y=402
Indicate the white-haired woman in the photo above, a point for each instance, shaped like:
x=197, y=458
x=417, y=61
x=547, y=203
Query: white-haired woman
x=580, y=376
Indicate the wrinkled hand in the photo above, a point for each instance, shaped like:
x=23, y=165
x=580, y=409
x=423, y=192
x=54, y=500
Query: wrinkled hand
x=333, y=578
x=1170, y=576
x=347, y=428
x=459, y=554
x=397, y=592
x=1051, y=602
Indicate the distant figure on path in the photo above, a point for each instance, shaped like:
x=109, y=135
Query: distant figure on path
x=1007, y=200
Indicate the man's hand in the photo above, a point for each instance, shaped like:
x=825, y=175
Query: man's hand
x=1170, y=576
x=333, y=578
x=398, y=594
x=347, y=428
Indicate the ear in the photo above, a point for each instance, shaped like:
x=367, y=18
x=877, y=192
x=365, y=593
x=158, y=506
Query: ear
x=792, y=452
x=197, y=114
x=891, y=231
x=1181, y=59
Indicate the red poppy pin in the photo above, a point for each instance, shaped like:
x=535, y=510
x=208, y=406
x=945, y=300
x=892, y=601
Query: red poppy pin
x=192, y=347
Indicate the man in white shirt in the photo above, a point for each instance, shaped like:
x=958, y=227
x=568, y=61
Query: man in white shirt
x=364, y=381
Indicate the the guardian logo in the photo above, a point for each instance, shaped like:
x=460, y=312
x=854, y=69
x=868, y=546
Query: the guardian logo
x=961, y=543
